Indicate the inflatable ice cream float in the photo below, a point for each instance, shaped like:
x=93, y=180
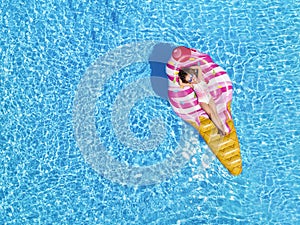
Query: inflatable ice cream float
x=185, y=104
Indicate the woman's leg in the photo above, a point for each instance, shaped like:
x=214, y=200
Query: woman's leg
x=214, y=110
x=214, y=118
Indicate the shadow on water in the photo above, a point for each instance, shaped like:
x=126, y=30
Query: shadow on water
x=160, y=55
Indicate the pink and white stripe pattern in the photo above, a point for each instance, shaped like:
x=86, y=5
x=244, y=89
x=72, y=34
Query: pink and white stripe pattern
x=184, y=101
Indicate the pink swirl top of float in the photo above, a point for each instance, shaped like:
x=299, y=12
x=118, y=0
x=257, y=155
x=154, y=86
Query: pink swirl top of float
x=183, y=100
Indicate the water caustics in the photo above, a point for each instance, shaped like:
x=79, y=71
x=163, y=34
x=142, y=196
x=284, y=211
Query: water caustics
x=84, y=121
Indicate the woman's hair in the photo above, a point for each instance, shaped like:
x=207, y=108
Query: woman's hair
x=183, y=72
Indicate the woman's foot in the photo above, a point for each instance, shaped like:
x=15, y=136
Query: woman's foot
x=222, y=132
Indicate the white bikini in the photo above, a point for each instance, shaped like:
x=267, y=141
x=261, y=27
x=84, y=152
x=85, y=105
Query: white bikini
x=202, y=92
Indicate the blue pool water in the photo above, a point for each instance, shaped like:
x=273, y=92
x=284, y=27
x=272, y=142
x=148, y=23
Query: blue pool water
x=53, y=171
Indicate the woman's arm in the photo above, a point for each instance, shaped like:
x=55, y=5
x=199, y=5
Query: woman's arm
x=199, y=72
x=195, y=67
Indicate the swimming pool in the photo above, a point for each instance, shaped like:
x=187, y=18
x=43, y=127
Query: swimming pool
x=49, y=50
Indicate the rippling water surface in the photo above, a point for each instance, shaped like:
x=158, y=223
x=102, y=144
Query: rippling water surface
x=85, y=139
